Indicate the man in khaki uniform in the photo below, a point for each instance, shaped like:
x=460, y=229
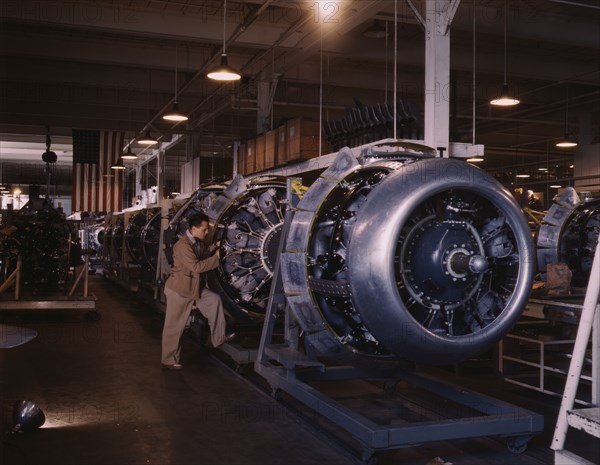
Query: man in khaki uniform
x=185, y=285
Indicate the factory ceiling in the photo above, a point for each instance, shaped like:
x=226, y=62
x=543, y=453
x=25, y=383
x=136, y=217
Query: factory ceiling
x=111, y=66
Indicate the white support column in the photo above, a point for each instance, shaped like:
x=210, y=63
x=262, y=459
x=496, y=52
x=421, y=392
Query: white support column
x=160, y=174
x=438, y=16
x=138, y=178
x=236, y=155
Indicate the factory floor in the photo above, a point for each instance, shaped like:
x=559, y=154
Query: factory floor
x=107, y=401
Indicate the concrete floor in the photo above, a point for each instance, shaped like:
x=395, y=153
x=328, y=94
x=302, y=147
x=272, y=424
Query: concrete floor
x=107, y=401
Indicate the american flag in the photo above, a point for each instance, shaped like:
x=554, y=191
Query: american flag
x=97, y=187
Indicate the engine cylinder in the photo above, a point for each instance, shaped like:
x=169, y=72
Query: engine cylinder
x=423, y=259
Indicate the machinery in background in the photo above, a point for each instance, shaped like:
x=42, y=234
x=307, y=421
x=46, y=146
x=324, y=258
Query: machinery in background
x=569, y=234
x=138, y=239
x=369, y=123
x=46, y=243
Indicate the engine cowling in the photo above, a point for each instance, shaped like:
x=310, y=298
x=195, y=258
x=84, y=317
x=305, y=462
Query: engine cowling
x=423, y=259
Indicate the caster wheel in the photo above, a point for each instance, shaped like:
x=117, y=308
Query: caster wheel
x=369, y=457
x=516, y=447
x=240, y=369
x=389, y=387
x=276, y=394
x=93, y=316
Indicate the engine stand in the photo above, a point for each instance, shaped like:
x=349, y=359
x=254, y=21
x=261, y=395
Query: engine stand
x=287, y=368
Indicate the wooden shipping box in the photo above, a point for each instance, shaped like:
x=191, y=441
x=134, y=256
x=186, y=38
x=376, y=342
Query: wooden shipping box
x=241, y=161
x=250, y=157
x=303, y=140
x=259, y=157
x=281, y=144
x=271, y=146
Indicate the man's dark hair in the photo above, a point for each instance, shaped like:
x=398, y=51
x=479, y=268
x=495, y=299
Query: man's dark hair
x=196, y=219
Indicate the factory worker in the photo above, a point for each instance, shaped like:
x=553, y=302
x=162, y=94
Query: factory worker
x=186, y=285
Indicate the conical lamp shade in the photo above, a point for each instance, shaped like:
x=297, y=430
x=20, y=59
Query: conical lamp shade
x=129, y=155
x=27, y=416
x=118, y=165
x=224, y=72
x=505, y=99
x=147, y=139
x=567, y=141
x=175, y=115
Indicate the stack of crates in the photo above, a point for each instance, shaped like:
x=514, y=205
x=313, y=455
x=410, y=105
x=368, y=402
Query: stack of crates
x=295, y=141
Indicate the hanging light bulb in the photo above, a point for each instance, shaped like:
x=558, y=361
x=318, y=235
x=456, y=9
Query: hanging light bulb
x=118, y=165
x=523, y=175
x=129, y=155
x=567, y=141
x=175, y=115
x=475, y=159
x=224, y=72
x=505, y=99
x=147, y=139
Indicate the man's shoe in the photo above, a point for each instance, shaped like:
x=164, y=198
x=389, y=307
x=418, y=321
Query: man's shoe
x=230, y=337
x=175, y=366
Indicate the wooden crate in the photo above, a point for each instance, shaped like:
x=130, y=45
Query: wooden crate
x=250, y=156
x=271, y=146
x=241, y=161
x=303, y=140
x=281, y=144
x=259, y=157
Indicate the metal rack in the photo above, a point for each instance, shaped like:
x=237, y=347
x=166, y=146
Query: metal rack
x=527, y=358
x=86, y=301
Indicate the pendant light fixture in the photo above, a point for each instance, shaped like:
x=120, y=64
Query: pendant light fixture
x=505, y=99
x=224, y=72
x=129, y=155
x=175, y=115
x=118, y=166
x=376, y=31
x=475, y=159
x=568, y=141
x=147, y=139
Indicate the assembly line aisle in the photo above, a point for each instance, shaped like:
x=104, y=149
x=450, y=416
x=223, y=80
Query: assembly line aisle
x=107, y=400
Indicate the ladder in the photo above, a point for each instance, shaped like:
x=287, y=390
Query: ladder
x=587, y=419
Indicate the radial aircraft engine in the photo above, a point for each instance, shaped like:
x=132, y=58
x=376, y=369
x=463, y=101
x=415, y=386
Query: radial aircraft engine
x=403, y=255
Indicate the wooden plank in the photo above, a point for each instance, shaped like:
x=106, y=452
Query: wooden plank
x=282, y=144
x=242, y=159
x=259, y=158
x=250, y=156
x=587, y=420
x=271, y=148
x=303, y=140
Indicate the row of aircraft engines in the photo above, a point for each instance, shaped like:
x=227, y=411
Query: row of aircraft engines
x=397, y=254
